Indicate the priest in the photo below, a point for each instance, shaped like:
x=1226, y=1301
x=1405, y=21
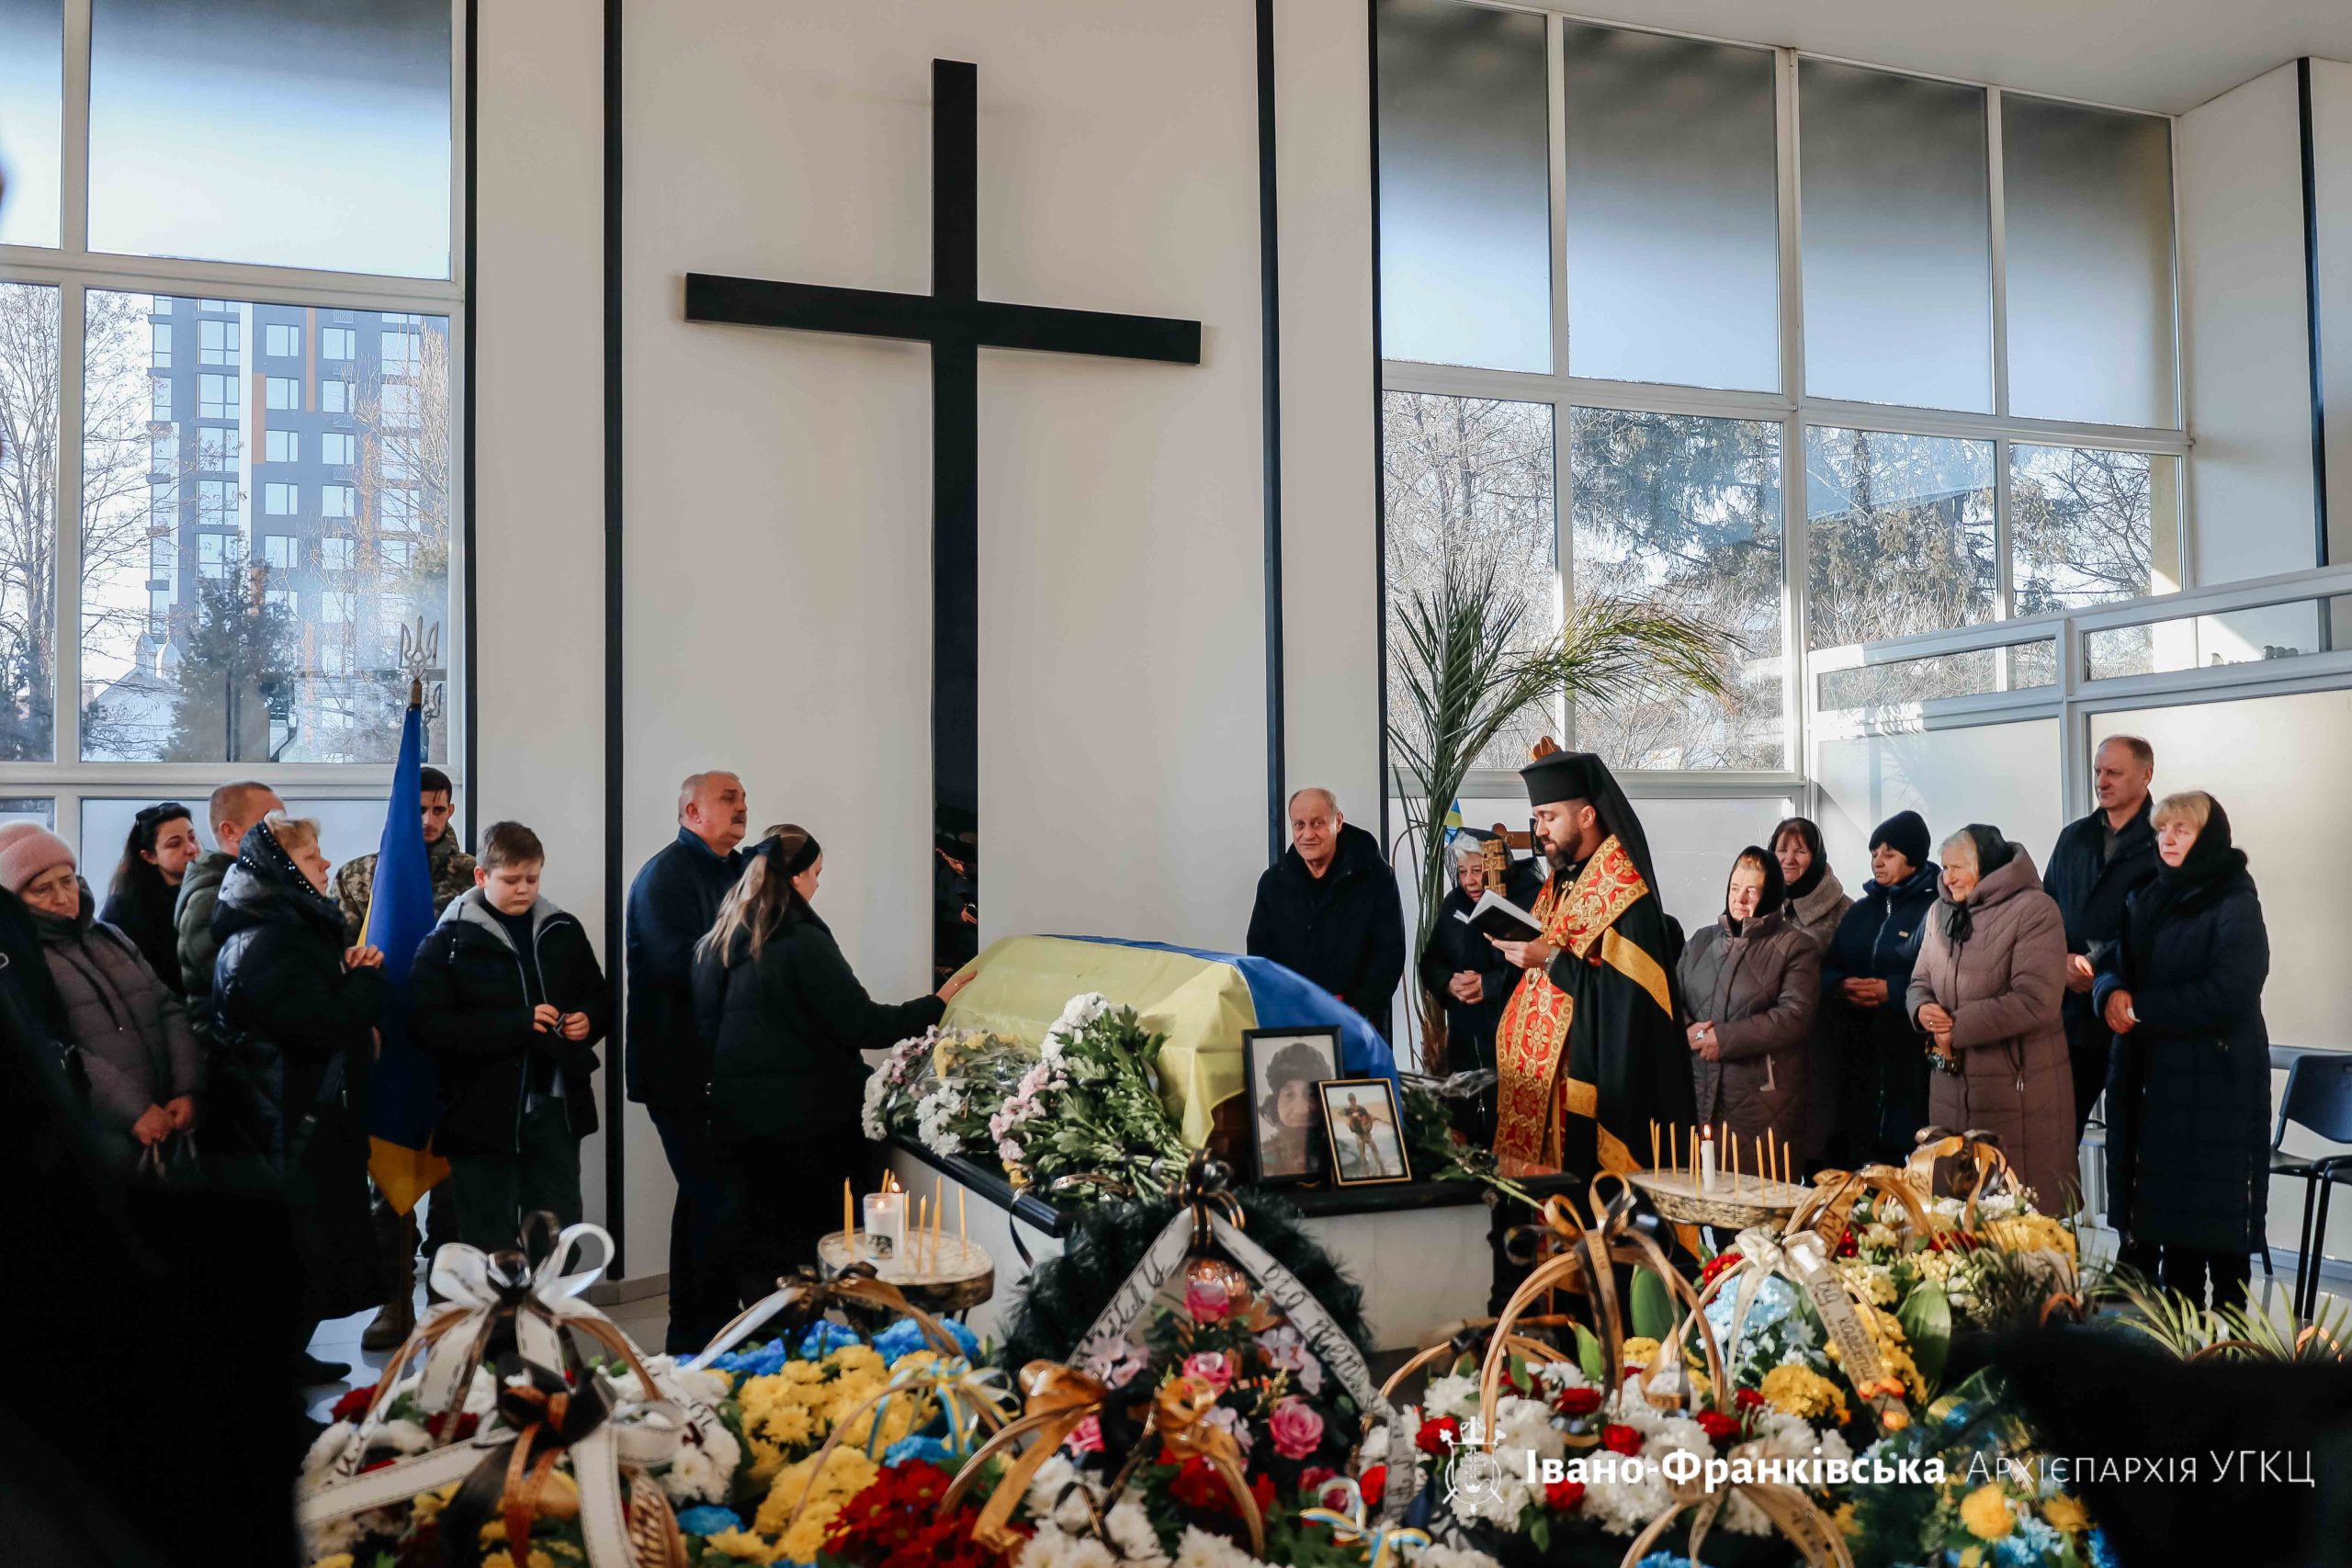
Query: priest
x=1588, y=1050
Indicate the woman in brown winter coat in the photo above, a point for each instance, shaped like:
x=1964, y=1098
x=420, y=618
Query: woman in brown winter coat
x=1987, y=992
x=1817, y=902
x=1751, y=983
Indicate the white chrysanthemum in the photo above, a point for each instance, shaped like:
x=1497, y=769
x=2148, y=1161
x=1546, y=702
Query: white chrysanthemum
x=934, y=1114
x=1130, y=1531
x=1526, y=1424
x=1509, y=1496
x=1198, y=1549
x=324, y=1451
x=1435, y=1555
x=695, y=1477
x=402, y=1437
x=1451, y=1396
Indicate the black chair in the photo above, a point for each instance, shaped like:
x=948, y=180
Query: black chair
x=2318, y=1099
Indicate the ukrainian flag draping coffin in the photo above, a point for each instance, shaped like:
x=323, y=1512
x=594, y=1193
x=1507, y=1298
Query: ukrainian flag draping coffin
x=1201, y=1002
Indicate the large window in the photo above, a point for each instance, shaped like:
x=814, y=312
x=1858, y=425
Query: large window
x=210, y=212
x=1821, y=354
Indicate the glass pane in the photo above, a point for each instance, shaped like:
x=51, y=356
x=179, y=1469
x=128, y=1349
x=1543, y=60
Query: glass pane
x=2015, y=667
x=2199, y=642
x=29, y=368
x=2088, y=201
x=314, y=136
x=2085, y=524
x=32, y=75
x=1673, y=211
x=347, y=827
x=2006, y=774
x=1901, y=536
x=1681, y=511
x=38, y=808
x=1469, y=487
x=214, y=630
x=1465, y=213
x=1898, y=239
x=1693, y=843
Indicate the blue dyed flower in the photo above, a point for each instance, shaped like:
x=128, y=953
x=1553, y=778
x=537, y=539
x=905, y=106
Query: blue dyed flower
x=824, y=1337
x=708, y=1518
x=2102, y=1552
x=1667, y=1560
x=1775, y=1299
x=906, y=1335
x=755, y=1360
x=929, y=1450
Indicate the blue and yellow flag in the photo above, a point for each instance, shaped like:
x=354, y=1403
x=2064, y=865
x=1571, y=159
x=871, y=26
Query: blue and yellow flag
x=404, y=1091
x=1453, y=823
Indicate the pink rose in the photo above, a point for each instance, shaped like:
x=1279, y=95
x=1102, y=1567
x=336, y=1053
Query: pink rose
x=1297, y=1431
x=1086, y=1438
x=1211, y=1367
x=1206, y=1298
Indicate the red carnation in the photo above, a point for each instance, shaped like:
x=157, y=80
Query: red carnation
x=1621, y=1439
x=1564, y=1494
x=1717, y=1426
x=353, y=1405
x=1373, y=1483
x=1846, y=1247
x=1747, y=1399
x=468, y=1422
x=1432, y=1437
x=1577, y=1401
x=1716, y=1265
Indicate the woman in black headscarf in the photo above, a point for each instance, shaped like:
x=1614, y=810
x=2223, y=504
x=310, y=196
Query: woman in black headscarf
x=2188, y=1078
x=786, y=1019
x=295, y=1031
x=156, y=857
x=1751, y=983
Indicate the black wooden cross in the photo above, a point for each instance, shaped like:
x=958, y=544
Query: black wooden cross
x=958, y=323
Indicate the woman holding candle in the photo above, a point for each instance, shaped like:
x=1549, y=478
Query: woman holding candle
x=1986, y=992
x=786, y=1020
x=2188, y=1080
x=1749, y=984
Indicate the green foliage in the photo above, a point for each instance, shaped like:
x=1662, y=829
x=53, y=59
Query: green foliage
x=1925, y=1317
x=1654, y=1308
x=1590, y=1355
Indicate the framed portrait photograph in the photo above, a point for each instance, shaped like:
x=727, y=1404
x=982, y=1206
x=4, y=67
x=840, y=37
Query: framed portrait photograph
x=1365, y=1132
x=1287, y=1142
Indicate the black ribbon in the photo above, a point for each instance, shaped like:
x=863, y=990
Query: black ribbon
x=553, y=1416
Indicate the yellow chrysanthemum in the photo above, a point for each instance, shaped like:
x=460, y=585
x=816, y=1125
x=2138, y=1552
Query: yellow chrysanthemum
x=428, y=1504
x=801, y=1372
x=1986, y=1512
x=847, y=1473
x=2066, y=1515
x=1797, y=1390
x=1893, y=1349
x=1845, y=1520
x=1873, y=1284
x=502, y=1559
x=1972, y=1557
x=1638, y=1352
x=744, y=1546
x=2031, y=1233
x=335, y=1559
x=857, y=1359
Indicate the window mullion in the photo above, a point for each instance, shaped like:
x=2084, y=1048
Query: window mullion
x=1563, y=411
x=1795, y=635
x=65, y=612
x=74, y=144
x=1996, y=199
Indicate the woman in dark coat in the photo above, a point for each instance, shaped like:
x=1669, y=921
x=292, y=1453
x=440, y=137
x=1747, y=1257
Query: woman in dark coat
x=1817, y=902
x=1986, y=991
x=2188, y=1080
x=146, y=887
x=297, y=1014
x=785, y=1020
x=1881, y=1059
x=1749, y=984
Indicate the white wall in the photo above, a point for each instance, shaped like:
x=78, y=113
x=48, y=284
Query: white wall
x=2244, y=340
x=539, y=493
x=2332, y=209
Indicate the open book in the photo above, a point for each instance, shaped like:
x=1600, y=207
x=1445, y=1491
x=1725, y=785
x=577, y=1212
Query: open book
x=1496, y=915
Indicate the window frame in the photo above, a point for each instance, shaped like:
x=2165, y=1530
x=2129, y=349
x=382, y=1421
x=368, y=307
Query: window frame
x=1793, y=409
x=74, y=270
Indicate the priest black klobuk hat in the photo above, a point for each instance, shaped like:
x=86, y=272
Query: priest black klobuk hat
x=1580, y=775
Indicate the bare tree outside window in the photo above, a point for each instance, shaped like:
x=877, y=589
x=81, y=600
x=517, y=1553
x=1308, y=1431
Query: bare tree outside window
x=29, y=391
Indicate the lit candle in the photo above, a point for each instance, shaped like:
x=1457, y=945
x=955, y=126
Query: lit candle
x=1706, y=1147
x=849, y=1222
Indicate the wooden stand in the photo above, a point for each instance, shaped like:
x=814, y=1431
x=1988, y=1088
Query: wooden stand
x=959, y=1277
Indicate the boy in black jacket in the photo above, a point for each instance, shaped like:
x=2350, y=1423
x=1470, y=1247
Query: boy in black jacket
x=508, y=998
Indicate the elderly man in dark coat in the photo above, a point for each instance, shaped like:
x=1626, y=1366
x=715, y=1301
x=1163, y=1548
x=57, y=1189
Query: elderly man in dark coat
x=1328, y=909
x=2098, y=862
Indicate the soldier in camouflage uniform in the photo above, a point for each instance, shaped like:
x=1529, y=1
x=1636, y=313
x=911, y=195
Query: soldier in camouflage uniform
x=453, y=873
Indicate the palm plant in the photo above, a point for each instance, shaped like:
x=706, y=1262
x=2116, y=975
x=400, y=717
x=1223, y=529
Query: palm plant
x=1470, y=669
x=2196, y=1332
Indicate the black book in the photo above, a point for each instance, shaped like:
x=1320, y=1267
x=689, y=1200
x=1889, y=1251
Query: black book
x=1496, y=915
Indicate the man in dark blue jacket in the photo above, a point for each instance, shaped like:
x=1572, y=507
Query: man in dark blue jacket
x=2098, y=862
x=674, y=901
x=1328, y=909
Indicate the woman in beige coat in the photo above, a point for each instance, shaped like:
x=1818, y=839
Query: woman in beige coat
x=1986, y=992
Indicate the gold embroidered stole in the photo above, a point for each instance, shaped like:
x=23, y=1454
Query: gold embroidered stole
x=1531, y=1047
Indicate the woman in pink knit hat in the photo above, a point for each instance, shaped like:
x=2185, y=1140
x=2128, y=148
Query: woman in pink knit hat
x=128, y=1029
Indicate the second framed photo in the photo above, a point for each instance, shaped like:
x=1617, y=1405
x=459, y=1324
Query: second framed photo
x=1286, y=1139
x=1365, y=1133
